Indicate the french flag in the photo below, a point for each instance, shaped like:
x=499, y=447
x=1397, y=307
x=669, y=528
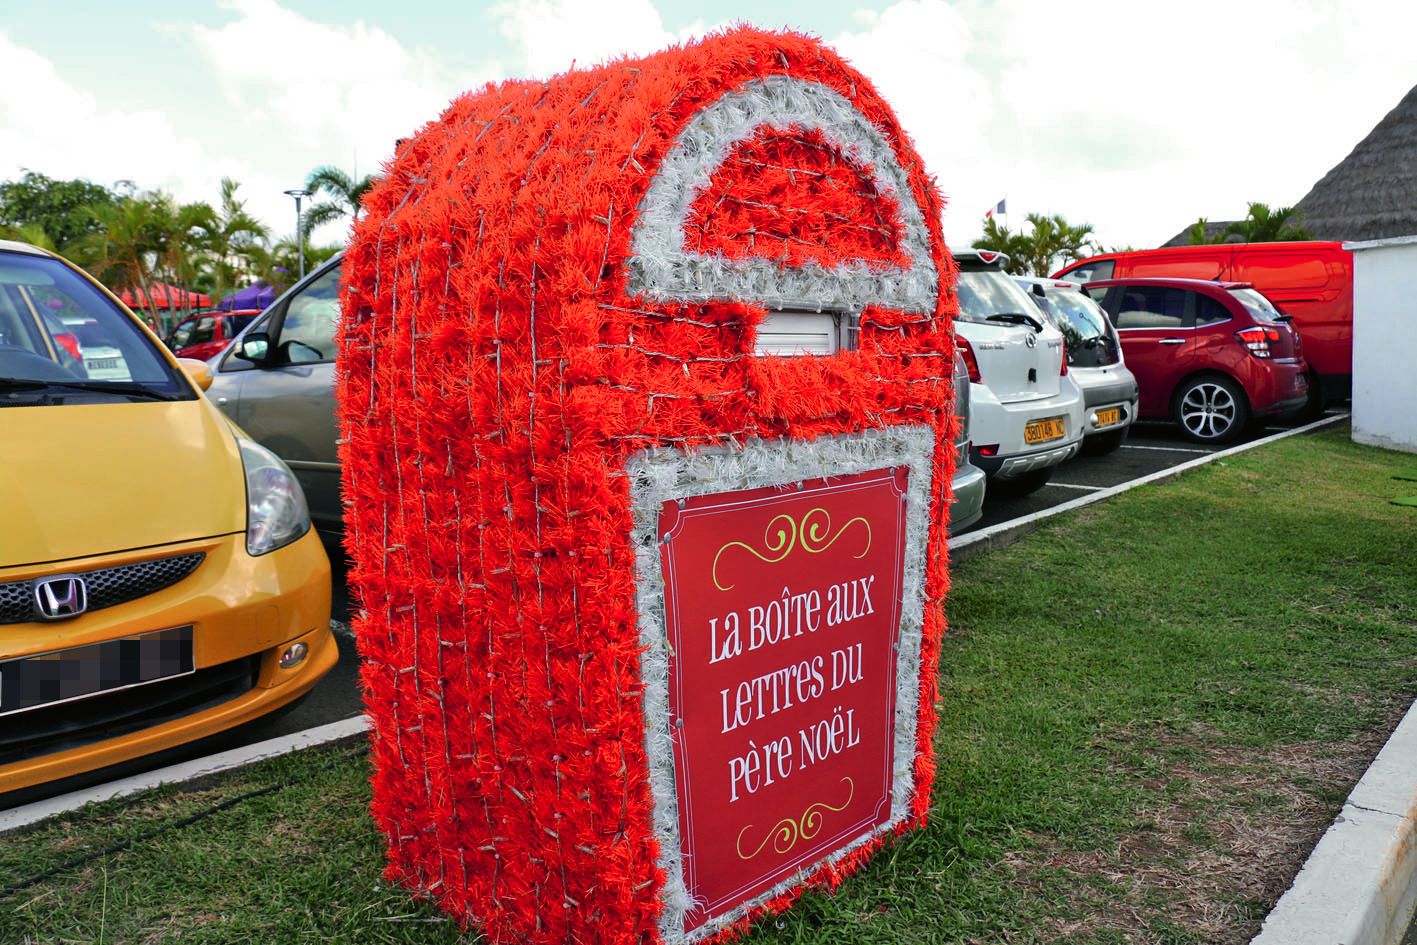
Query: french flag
x=1000, y=207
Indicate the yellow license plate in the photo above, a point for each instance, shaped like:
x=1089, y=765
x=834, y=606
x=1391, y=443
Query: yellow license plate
x=1105, y=418
x=1041, y=431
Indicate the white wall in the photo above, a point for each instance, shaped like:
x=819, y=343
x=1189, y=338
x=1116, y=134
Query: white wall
x=1385, y=343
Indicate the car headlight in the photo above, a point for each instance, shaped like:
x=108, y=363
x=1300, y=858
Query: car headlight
x=276, y=513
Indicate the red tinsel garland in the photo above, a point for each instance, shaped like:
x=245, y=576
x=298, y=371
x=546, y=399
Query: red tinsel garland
x=494, y=375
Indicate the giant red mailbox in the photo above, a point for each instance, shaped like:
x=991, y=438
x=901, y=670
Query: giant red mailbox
x=645, y=394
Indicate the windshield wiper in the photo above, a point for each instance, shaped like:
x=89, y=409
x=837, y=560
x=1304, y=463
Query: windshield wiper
x=1016, y=318
x=99, y=387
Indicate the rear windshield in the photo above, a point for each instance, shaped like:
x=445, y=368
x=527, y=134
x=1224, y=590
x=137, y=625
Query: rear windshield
x=1076, y=315
x=1259, y=307
x=62, y=341
x=991, y=292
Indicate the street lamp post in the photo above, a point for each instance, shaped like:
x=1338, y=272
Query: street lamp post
x=299, y=193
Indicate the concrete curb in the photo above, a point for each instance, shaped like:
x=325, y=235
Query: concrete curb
x=1357, y=887
x=27, y=814
x=1006, y=533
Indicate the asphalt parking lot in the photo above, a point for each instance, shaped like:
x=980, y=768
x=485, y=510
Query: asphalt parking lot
x=1150, y=448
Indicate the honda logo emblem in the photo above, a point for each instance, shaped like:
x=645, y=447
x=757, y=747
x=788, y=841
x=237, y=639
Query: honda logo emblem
x=60, y=597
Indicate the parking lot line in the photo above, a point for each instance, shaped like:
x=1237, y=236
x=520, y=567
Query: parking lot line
x=1077, y=485
x=1165, y=449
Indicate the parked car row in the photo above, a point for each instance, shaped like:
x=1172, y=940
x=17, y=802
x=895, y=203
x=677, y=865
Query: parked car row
x=190, y=618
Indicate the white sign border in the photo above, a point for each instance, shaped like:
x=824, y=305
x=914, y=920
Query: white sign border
x=660, y=475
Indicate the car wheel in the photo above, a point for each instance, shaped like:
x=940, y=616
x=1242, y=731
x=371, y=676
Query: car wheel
x=1211, y=409
x=1100, y=444
x=1313, y=407
x=1026, y=484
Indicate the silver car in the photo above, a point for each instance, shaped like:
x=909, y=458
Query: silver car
x=969, y=480
x=1095, y=364
x=277, y=381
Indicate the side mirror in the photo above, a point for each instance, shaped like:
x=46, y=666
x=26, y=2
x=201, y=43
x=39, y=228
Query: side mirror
x=255, y=347
x=198, y=371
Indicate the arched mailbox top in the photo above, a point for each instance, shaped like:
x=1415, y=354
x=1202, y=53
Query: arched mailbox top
x=663, y=267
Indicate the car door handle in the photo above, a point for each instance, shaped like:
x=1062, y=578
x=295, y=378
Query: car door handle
x=1172, y=341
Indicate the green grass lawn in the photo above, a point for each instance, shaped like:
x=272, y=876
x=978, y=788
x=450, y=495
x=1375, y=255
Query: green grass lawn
x=1151, y=710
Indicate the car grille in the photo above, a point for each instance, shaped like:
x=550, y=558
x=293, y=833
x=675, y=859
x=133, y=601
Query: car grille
x=107, y=587
x=46, y=730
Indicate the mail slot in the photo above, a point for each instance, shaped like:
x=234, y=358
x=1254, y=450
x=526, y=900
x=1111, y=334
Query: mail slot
x=645, y=392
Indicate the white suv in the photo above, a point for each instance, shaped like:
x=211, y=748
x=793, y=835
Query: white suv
x=1026, y=413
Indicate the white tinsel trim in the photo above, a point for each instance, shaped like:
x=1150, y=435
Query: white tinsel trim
x=661, y=475
x=660, y=268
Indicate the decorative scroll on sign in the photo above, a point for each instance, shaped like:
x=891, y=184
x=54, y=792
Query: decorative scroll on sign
x=783, y=612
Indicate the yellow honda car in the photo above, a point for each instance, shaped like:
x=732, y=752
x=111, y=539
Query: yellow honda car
x=159, y=578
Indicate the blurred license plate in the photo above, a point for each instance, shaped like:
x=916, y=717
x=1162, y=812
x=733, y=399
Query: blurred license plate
x=1041, y=431
x=1108, y=416
x=82, y=671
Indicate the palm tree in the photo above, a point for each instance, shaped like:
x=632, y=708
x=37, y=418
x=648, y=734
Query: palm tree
x=1003, y=240
x=345, y=193
x=120, y=252
x=1054, y=241
x=1263, y=225
x=233, y=240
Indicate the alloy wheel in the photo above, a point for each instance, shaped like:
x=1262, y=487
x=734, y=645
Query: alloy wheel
x=1208, y=411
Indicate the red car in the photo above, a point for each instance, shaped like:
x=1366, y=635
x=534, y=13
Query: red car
x=1313, y=281
x=1213, y=356
x=206, y=334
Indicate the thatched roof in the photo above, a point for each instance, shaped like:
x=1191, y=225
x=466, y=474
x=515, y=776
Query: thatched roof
x=1369, y=195
x=1372, y=193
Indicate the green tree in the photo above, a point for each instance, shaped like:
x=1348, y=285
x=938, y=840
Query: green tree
x=60, y=208
x=279, y=264
x=122, y=250
x=1050, y=242
x=233, y=241
x=1199, y=232
x=1003, y=240
x=1265, y=225
x=344, y=192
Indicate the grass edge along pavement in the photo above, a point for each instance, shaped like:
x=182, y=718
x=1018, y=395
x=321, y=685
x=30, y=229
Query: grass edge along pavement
x=1152, y=708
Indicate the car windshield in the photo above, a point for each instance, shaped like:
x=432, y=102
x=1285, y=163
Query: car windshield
x=1076, y=315
x=991, y=292
x=1257, y=305
x=62, y=341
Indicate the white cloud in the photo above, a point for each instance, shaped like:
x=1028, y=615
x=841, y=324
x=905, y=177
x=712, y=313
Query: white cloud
x=547, y=36
x=48, y=125
x=1136, y=118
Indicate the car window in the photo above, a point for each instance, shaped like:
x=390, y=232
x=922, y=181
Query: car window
x=235, y=323
x=205, y=330
x=1092, y=272
x=1209, y=310
x=182, y=335
x=983, y=293
x=1151, y=307
x=1259, y=307
x=308, y=333
x=58, y=329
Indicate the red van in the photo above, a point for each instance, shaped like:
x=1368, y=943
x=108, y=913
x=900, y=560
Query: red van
x=1311, y=281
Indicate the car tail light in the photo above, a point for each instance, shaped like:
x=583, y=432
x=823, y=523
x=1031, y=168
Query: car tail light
x=971, y=364
x=991, y=450
x=1064, y=371
x=69, y=342
x=1258, y=340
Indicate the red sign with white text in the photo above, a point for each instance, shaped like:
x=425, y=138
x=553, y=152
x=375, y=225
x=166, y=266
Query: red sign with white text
x=783, y=615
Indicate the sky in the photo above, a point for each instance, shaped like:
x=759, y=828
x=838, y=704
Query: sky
x=1136, y=116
